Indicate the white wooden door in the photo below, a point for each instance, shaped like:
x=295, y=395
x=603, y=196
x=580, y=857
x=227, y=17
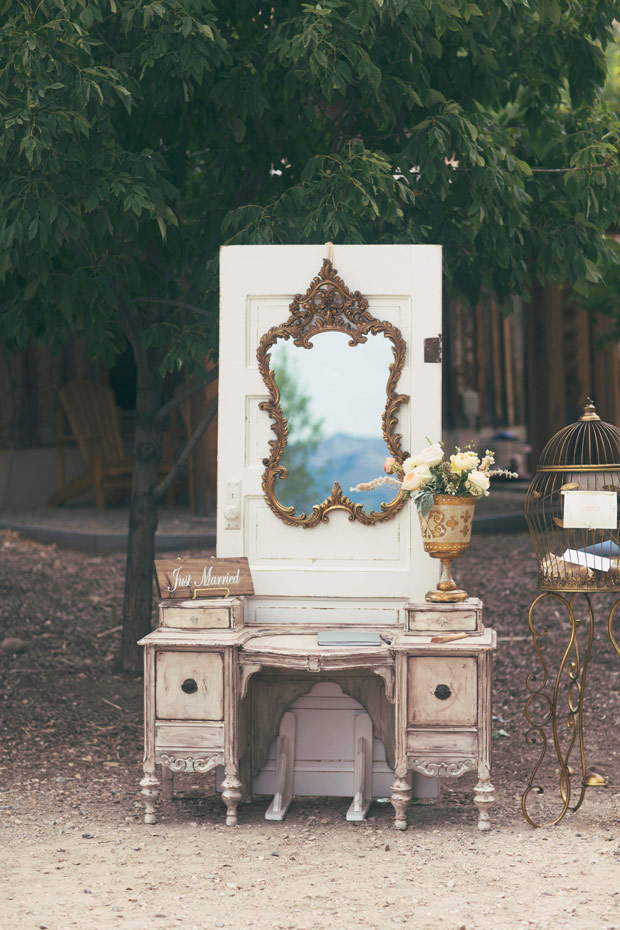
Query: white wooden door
x=340, y=572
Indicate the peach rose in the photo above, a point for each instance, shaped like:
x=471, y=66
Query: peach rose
x=416, y=478
x=388, y=465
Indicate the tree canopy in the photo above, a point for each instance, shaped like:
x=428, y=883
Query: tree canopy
x=138, y=136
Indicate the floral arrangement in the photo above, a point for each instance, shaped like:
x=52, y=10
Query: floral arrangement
x=428, y=473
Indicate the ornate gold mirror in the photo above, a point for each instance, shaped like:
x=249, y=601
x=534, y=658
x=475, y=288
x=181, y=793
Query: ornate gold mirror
x=334, y=408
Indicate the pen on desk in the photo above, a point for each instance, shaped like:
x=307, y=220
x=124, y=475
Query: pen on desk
x=448, y=637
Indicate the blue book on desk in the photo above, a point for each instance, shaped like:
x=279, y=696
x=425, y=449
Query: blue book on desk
x=349, y=638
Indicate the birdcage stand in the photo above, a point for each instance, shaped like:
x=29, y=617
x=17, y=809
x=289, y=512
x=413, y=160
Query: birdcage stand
x=571, y=508
x=554, y=707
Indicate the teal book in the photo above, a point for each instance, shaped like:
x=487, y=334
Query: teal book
x=349, y=638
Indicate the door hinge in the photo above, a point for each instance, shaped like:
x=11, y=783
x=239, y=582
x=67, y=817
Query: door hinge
x=432, y=349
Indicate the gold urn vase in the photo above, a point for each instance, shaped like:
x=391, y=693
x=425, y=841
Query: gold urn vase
x=446, y=533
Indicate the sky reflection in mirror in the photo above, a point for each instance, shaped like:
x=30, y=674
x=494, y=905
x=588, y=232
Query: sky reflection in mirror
x=333, y=397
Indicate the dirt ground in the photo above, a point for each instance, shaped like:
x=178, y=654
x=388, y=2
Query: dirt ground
x=75, y=852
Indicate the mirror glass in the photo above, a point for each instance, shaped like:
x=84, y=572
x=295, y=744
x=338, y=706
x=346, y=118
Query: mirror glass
x=333, y=397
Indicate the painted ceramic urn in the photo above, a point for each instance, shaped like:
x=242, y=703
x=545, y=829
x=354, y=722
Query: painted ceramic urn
x=446, y=533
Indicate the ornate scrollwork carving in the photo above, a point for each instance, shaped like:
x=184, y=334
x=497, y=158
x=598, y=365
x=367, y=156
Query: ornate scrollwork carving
x=245, y=673
x=328, y=305
x=191, y=764
x=387, y=673
x=452, y=769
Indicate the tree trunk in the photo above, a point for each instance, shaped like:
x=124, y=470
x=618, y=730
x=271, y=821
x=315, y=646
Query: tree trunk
x=138, y=600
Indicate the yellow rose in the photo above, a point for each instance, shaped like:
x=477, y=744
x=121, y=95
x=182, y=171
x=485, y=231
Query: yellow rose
x=463, y=461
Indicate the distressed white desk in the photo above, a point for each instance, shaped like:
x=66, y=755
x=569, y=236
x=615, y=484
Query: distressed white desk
x=430, y=702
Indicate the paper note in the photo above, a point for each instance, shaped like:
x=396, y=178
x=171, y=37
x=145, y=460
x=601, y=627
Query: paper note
x=590, y=510
x=587, y=559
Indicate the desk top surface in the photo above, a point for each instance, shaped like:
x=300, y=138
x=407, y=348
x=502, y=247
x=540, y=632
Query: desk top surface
x=254, y=641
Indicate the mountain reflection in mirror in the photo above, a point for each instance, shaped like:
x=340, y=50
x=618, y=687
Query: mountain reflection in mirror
x=333, y=397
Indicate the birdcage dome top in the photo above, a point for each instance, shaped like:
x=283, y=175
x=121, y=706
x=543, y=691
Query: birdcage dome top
x=590, y=444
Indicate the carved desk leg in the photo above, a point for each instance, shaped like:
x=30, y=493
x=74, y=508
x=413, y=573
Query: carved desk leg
x=231, y=795
x=150, y=782
x=150, y=793
x=401, y=799
x=484, y=793
x=484, y=798
x=401, y=789
x=231, y=786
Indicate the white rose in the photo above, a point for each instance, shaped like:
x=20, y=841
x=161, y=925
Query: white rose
x=416, y=478
x=432, y=455
x=463, y=461
x=478, y=483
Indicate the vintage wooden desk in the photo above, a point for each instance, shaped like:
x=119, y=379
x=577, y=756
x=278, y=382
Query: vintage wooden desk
x=430, y=702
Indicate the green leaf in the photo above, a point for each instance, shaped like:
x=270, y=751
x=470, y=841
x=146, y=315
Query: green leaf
x=238, y=128
x=30, y=290
x=472, y=9
x=206, y=30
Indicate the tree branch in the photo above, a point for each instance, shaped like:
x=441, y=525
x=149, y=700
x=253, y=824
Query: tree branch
x=184, y=395
x=604, y=164
x=171, y=303
x=160, y=489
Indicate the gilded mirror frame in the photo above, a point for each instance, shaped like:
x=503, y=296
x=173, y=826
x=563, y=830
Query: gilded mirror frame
x=329, y=306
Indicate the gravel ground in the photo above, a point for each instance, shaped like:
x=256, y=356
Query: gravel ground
x=75, y=852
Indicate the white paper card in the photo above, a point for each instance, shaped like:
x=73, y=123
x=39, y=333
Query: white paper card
x=587, y=559
x=590, y=510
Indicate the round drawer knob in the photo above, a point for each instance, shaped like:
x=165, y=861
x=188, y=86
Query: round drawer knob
x=189, y=686
x=442, y=692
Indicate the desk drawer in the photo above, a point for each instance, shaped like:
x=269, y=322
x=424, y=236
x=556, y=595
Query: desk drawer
x=193, y=736
x=442, y=690
x=442, y=743
x=189, y=685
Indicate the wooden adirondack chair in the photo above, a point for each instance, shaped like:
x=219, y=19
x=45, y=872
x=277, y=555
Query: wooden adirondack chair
x=95, y=424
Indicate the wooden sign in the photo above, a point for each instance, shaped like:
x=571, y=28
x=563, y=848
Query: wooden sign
x=194, y=578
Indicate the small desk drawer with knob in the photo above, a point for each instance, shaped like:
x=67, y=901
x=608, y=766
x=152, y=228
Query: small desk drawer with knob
x=216, y=613
x=442, y=690
x=189, y=685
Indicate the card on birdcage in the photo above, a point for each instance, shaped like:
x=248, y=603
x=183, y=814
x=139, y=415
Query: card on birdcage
x=590, y=510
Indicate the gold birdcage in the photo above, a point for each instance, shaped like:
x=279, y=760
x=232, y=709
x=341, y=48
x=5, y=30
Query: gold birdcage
x=578, y=547
x=571, y=509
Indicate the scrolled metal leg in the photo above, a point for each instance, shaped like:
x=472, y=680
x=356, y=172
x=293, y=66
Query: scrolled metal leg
x=543, y=711
x=612, y=638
